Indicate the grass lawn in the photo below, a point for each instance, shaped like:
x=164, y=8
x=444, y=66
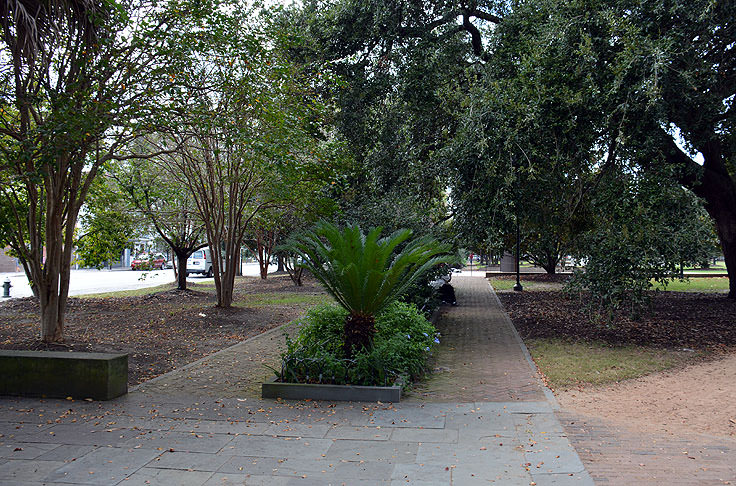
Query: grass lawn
x=567, y=364
x=707, y=271
x=694, y=284
x=506, y=284
x=244, y=300
x=280, y=298
x=129, y=293
x=720, y=266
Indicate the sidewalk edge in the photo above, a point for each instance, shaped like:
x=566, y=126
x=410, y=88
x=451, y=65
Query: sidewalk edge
x=547, y=392
x=205, y=358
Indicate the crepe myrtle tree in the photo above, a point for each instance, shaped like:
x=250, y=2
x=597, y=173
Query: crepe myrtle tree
x=166, y=205
x=243, y=116
x=77, y=84
x=364, y=272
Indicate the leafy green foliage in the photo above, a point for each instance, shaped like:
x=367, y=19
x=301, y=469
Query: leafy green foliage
x=644, y=233
x=250, y=133
x=76, y=89
x=107, y=225
x=398, y=64
x=403, y=340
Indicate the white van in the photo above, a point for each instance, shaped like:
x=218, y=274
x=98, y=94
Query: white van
x=200, y=262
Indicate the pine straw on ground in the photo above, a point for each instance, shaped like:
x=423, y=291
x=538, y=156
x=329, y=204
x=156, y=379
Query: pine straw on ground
x=160, y=331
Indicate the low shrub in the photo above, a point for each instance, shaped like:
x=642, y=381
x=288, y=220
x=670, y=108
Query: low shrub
x=403, y=341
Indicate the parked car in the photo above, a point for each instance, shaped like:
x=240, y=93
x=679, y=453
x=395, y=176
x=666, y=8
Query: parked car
x=200, y=262
x=146, y=261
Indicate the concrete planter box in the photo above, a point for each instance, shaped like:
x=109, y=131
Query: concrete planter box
x=301, y=391
x=59, y=374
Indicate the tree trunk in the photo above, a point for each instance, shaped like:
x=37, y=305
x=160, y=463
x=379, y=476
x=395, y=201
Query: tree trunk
x=713, y=183
x=53, y=293
x=52, y=324
x=550, y=266
x=52, y=315
x=181, y=276
x=550, y=269
x=295, y=272
x=264, y=247
x=281, y=264
x=227, y=283
x=726, y=224
x=359, y=331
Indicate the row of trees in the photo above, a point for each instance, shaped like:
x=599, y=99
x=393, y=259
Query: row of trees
x=187, y=114
x=600, y=125
x=605, y=127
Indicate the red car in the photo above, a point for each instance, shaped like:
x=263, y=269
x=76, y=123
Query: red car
x=144, y=261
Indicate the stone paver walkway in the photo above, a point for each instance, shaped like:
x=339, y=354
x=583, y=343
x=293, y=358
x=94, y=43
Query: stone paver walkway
x=484, y=418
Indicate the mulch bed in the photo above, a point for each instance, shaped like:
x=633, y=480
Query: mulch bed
x=673, y=320
x=160, y=331
x=537, y=277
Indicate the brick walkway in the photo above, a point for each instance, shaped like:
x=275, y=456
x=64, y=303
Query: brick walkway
x=237, y=371
x=481, y=359
x=616, y=455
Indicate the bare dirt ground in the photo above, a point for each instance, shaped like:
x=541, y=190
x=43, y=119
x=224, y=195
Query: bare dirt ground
x=696, y=399
x=676, y=427
x=163, y=330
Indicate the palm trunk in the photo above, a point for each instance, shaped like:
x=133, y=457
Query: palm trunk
x=359, y=331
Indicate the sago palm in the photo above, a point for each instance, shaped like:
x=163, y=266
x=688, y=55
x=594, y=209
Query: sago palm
x=364, y=272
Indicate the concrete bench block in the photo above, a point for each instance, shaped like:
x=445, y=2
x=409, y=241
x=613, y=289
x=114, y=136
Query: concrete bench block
x=59, y=374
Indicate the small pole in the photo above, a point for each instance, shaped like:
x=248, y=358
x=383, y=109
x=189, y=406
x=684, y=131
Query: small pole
x=517, y=286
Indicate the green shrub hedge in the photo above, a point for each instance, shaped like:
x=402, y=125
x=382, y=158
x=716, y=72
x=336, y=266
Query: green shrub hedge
x=403, y=341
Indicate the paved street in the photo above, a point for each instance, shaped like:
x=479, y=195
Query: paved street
x=491, y=422
x=91, y=281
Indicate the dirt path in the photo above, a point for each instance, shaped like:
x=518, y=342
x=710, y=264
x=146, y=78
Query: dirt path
x=698, y=399
x=674, y=428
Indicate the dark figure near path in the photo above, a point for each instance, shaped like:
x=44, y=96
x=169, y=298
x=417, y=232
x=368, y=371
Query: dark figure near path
x=447, y=294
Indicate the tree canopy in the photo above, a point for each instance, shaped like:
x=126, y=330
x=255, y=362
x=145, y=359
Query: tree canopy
x=524, y=108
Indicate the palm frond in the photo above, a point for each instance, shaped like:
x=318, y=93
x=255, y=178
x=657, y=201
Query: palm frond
x=361, y=271
x=26, y=24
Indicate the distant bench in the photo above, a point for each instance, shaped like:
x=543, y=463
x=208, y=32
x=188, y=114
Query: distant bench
x=60, y=374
